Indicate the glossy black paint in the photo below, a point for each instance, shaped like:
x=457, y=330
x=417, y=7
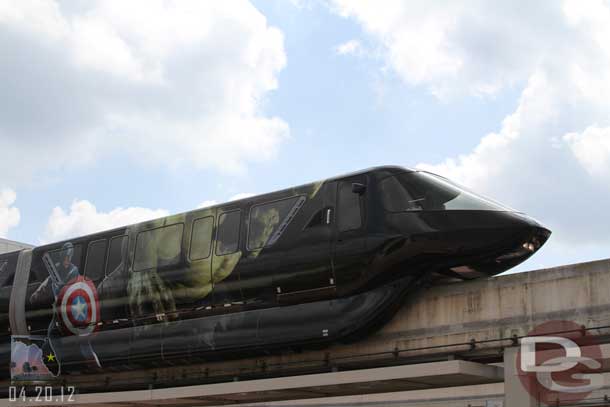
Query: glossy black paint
x=330, y=276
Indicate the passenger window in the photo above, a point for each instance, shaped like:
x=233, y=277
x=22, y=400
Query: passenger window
x=94, y=263
x=268, y=221
x=395, y=196
x=5, y=279
x=227, y=238
x=158, y=247
x=115, y=253
x=318, y=219
x=9, y=281
x=34, y=277
x=201, y=238
x=38, y=271
x=349, y=213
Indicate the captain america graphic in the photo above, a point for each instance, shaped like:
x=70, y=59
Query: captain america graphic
x=75, y=307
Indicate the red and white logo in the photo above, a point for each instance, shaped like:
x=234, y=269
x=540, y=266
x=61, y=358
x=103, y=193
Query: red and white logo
x=559, y=362
x=78, y=305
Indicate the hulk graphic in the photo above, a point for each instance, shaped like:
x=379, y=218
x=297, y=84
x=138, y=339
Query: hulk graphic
x=264, y=221
x=160, y=283
x=152, y=281
x=148, y=293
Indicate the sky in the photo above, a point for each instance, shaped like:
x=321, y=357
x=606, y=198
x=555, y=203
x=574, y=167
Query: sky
x=115, y=112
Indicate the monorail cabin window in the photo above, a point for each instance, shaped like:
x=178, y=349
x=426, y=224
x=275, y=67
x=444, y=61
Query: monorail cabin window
x=5, y=278
x=94, y=263
x=227, y=238
x=201, y=238
x=158, y=247
x=115, y=254
x=38, y=271
x=269, y=220
x=318, y=219
x=349, y=208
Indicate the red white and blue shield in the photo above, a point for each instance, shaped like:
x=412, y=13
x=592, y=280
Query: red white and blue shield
x=79, y=310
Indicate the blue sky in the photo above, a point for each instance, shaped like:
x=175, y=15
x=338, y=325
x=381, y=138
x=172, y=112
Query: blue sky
x=109, y=119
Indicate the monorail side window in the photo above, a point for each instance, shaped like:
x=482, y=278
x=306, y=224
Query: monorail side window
x=94, y=262
x=318, y=219
x=5, y=278
x=158, y=247
x=201, y=238
x=269, y=220
x=38, y=271
x=115, y=253
x=227, y=238
x=349, y=213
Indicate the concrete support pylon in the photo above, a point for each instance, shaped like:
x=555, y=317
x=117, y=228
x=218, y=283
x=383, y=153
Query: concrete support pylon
x=515, y=393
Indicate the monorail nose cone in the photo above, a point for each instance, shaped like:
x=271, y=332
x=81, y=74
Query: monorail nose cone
x=537, y=238
x=527, y=236
x=535, y=234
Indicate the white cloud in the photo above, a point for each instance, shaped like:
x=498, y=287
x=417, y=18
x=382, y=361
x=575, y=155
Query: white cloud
x=83, y=218
x=9, y=215
x=206, y=203
x=592, y=149
x=212, y=202
x=351, y=47
x=551, y=156
x=456, y=48
x=241, y=195
x=169, y=83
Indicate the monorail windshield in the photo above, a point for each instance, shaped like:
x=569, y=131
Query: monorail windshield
x=423, y=191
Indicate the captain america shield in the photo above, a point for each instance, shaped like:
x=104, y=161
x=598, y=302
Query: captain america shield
x=78, y=305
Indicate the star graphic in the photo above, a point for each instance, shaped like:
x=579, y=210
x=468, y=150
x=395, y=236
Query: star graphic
x=79, y=309
x=50, y=357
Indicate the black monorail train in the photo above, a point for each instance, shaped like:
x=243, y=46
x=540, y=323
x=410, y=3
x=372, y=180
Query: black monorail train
x=309, y=265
